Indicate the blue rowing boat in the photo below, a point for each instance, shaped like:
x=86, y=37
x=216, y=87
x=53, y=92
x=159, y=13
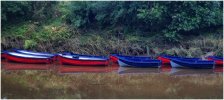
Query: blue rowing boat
x=138, y=62
x=166, y=58
x=189, y=63
x=115, y=57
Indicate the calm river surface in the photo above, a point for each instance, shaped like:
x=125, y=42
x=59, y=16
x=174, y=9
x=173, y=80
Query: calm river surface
x=66, y=81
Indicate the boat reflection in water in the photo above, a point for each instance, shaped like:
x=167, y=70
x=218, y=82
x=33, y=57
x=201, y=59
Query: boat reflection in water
x=167, y=69
x=218, y=70
x=63, y=69
x=188, y=71
x=87, y=69
x=21, y=66
x=132, y=70
x=114, y=67
x=161, y=69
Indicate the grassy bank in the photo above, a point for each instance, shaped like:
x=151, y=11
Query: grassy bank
x=36, y=84
x=56, y=37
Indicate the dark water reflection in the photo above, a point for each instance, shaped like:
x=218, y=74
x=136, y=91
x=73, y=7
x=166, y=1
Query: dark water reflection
x=65, y=69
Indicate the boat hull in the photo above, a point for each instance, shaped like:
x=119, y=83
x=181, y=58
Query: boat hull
x=28, y=60
x=78, y=62
x=122, y=64
x=177, y=63
x=53, y=56
x=164, y=60
x=3, y=55
x=114, y=57
x=127, y=63
x=218, y=62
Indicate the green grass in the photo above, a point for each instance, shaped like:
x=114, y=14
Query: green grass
x=31, y=34
x=16, y=30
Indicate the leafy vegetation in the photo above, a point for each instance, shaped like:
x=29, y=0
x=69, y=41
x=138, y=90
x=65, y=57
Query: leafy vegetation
x=19, y=11
x=113, y=27
x=170, y=18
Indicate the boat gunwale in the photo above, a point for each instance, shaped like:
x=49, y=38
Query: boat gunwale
x=102, y=59
x=147, y=65
x=145, y=62
x=35, y=53
x=40, y=57
x=215, y=57
x=143, y=57
x=196, y=62
x=176, y=57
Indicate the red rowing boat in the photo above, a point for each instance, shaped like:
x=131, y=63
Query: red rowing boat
x=218, y=60
x=2, y=55
x=25, y=58
x=83, y=60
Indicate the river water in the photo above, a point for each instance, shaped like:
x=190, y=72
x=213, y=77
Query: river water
x=66, y=81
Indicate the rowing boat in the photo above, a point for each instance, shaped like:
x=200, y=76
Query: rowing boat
x=83, y=60
x=26, y=58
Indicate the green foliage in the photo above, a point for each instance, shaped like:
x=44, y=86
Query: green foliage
x=15, y=11
x=40, y=23
x=17, y=30
x=54, y=32
x=30, y=44
x=43, y=10
x=18, y=11
x=169, y=18
x=171, y=36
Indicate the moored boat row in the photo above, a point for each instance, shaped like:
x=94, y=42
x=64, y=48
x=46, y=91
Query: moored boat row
x=24, y=56
x=175, y=62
